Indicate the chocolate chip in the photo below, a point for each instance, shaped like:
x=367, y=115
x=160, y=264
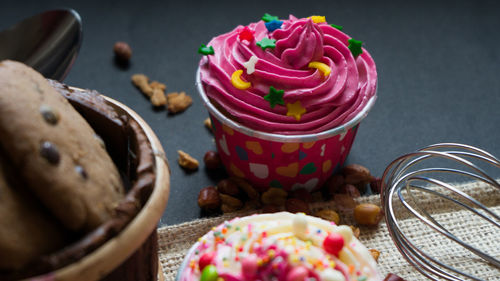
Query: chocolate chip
x=49, y=151
x=49, y=114
x=80, y=170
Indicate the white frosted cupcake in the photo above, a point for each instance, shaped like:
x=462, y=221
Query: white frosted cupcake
x=280, y=246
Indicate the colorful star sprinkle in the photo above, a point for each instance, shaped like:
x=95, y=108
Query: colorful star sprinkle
x=275, y=97
x=339, y=27
x=266, y=43
x=237, y=82
x=318, y=19
x=246, y=34
x=295, y=109
x=250, y=64
x=267, y=17
x=205, y=50
x=355, y=47
x=273, y=25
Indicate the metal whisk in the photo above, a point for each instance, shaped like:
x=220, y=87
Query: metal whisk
x=409, y=177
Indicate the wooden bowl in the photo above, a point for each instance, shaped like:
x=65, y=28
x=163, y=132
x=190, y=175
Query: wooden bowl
x=125, y=248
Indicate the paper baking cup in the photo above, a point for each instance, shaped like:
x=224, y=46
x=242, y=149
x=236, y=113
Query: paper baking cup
x=284, y=161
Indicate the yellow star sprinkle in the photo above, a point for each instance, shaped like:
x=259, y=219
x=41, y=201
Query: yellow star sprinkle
x=318, y=19
x=295, y=109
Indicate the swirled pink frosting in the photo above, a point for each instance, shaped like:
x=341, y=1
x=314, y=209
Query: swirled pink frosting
x=329, y=101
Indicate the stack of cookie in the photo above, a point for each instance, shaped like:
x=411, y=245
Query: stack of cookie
x=57, y=181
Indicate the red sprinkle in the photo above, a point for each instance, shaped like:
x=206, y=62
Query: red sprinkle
x=333, y=243
x=206, y=259
x=246, y=34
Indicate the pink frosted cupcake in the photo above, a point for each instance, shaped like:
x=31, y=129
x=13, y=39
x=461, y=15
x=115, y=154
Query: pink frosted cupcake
x=285, y=98
x=281, y=247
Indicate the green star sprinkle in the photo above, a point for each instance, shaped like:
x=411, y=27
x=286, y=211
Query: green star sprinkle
x=267, y=17
x=275, y=97
x=355, y=47
x=204, y=50
x=266, y=43
x=339, y=27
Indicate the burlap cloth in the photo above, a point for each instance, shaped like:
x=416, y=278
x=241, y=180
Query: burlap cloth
x=175, y=240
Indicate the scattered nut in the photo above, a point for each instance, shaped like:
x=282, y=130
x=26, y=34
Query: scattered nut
x=228, y=209
x=228, y=187
x=344, y=202
x=376, y=185
x=158, y=85
x=158, y=98
x=303, y=194
x=355, y=231
x=209, y=199
x=141, y=81
x=212, y=160
x=328, y=215
x=274, y=196
x=178, y=102
x=367, y=214
x=334, y=184
x=186, y=161
x=231, y=201
x=252, y=205
x=375, y=254
x=208, y=123
x=268, y=209
x=294, y=205
x=247, y=188
x=356, y=174
x=122, y=51
x=350, y=190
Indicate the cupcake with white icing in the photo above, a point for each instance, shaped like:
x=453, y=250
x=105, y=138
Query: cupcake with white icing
x=280, y=246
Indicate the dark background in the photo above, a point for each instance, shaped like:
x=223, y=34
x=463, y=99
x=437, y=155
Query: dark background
x=438, y=64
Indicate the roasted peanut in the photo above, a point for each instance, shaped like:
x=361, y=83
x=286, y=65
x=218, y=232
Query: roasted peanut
x=344, y=202
x=328, y=215
x=367, y=214
x=274, y=196
x=208, y=198
x=122, y=51
x=158, y=85
x=186, y=161
x=375, y=254
x=158, y=97
x=231, y=201
x=350, y=190
x=212, y=160
x=141, y=81
x=246, y=187
x=178, y=102
x=356, y=174
x=208, y=123
x=355, y=231
x=227, y=186
x=294, y=205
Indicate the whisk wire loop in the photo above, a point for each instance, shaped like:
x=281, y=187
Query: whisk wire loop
x=405, y=174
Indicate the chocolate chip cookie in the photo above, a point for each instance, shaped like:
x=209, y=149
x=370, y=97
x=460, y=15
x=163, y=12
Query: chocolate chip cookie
x=55, y=151
x=27, y=229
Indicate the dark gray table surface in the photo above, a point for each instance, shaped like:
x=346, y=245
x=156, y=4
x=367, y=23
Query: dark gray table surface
x=438, y=64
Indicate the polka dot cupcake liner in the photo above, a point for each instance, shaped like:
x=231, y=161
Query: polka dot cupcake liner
x=284, y=161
